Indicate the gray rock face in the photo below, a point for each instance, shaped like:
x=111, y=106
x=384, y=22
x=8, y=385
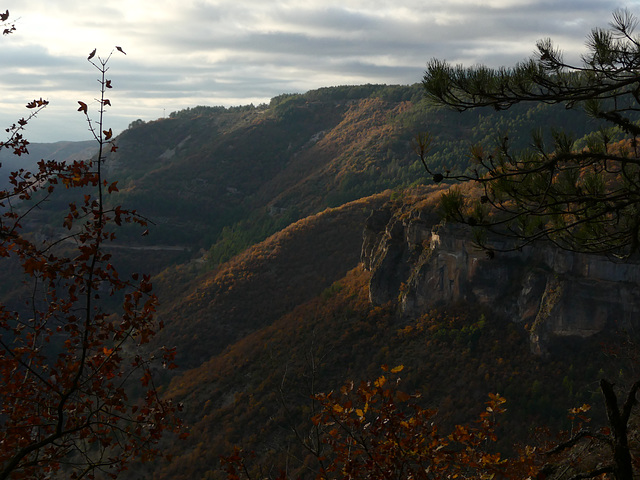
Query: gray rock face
x=551, y=292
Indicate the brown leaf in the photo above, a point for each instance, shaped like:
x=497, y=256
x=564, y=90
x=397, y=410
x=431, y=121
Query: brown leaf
x=38, y=103
x=92, y=54
x=120, y=50
x=83, y=107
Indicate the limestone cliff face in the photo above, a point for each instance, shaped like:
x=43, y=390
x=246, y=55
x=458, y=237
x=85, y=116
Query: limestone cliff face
x=420, y=263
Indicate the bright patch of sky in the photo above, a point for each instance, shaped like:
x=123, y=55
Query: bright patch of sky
x=234, y=52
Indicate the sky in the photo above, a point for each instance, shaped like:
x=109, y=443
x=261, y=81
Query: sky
x=186, y=53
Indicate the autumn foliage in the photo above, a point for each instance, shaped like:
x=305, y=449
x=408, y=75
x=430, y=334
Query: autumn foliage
x=78, y=394
x=377, y=431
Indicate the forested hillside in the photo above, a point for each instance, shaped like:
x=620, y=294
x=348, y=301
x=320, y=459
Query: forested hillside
x=255, y=235
x=220, y=179
x=256, y=392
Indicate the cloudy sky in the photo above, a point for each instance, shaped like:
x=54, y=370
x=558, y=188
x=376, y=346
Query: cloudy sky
x=235, y=52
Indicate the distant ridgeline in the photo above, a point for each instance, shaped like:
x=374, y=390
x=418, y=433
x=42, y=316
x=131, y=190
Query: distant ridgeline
x=61, y=151
x=220, y=179
x=214, y=182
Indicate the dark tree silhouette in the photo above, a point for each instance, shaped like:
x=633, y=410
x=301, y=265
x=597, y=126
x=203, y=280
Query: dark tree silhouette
x=584, y=199
x=69, y=359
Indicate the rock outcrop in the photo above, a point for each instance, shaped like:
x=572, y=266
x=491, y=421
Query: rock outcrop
x=421, y=263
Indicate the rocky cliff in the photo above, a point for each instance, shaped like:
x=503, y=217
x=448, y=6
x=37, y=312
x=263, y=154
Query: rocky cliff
x=421, y=263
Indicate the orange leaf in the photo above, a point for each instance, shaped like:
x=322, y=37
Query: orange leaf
x=107, y=134
x=380, y=381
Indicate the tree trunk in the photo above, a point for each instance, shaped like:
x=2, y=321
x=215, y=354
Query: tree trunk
x=618, y=421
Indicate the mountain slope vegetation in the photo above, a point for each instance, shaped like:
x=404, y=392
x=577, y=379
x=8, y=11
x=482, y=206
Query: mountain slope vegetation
x=238, y=175
x=256, y=392
x=250, y=291
x=256, y=225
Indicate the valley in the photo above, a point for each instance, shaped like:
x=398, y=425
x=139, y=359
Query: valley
x=299, y=245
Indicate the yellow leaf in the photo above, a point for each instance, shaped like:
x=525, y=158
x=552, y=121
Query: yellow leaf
x=359, y=413
x=397, y=369
x=380, y=381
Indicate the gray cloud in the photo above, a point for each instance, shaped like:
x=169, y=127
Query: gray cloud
x=235, y=52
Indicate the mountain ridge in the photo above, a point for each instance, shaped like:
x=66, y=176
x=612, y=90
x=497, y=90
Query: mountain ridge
x=257, y=388
x=268, y=216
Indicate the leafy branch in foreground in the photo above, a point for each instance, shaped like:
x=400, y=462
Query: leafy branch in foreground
x=375, y=430
x=68, y=360
x=584, y=199
x=581, y=199
x=7, y=27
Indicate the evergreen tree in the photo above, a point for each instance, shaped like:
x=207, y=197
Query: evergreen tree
x=584, y=199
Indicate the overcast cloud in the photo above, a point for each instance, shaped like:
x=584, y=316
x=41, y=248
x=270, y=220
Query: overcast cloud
x=235, y=52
